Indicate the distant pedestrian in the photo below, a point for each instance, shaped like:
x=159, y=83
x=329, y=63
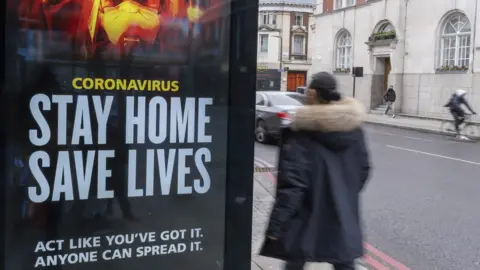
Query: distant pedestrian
x=323, y=166
x=390, y=97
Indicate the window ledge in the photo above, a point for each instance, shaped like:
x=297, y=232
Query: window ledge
x=268, y=28
x=450, y=71
x=392, y=43
x=341, y=73
x=298, y=62
x=295, y=27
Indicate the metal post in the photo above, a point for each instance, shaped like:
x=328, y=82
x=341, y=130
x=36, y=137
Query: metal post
x=280, y=56
x=280, y=53
x=354, y=78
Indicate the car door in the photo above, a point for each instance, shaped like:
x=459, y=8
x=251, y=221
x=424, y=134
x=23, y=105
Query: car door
x=260, y=107
x=268, y=113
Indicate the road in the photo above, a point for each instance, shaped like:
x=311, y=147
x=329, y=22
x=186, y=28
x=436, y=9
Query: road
x=421, y=204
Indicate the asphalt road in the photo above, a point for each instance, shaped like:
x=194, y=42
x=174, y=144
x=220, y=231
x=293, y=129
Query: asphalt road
x=421, y=206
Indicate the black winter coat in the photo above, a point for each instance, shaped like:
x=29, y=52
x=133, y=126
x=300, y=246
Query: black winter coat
x=456, y=101
x=390, y=95
x=323, y=166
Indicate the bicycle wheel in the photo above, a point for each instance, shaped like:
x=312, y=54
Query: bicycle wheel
x=448, y=127
x=470, y=130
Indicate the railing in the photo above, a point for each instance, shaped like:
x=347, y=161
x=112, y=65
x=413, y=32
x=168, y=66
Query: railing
x=301, y=57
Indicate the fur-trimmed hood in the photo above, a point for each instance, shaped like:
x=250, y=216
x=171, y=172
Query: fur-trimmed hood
x=344, y=115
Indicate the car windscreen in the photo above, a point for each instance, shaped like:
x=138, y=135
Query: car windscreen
x=300, y=98
x=287, y=100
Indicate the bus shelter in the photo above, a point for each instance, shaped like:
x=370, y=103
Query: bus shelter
x=127, y=134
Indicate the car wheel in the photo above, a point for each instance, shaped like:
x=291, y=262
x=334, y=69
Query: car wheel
x=261, y=135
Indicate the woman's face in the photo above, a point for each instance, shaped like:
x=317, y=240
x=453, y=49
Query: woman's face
x=312, y=97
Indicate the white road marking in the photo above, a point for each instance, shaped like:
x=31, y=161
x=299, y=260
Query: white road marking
x=402, y=136
x=434, y=155
x=264, y=163
x=415, y=138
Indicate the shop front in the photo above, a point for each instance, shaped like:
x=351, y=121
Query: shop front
x=268, y=79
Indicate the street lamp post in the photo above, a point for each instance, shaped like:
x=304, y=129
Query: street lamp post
x=280, y=53
x=280, y=59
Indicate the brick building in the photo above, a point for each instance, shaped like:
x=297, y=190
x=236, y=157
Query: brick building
x=424, y=48
x=284, y=43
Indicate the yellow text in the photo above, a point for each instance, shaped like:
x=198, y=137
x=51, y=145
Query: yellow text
x=124, y=84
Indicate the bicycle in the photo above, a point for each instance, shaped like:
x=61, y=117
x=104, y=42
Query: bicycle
x=467, y=128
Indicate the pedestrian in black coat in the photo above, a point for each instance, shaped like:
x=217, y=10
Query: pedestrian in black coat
x=323, y=166
x=390, y=96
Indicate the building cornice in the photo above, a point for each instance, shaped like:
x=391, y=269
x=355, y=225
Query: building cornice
x=288, y=3
x=299, y=29
x=265, y=27
x=367, y=3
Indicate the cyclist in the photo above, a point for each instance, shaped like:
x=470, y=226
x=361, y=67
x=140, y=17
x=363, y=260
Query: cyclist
x=455, y=106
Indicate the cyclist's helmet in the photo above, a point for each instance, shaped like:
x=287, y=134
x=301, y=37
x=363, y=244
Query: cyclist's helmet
x=460, y=92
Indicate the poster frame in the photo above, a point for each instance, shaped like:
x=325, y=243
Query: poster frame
x=240, y=146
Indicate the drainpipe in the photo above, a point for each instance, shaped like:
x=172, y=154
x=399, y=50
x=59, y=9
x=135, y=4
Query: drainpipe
x=474, y=45
x=280, y=56
x=353, y=37
x=474, y=37
x=404, y=52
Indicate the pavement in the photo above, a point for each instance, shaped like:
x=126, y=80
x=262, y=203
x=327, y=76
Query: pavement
x=432, y=125
x=264, y=192
x=420, y=207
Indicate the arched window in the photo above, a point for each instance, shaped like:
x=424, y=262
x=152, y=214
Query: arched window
x=344, y=50
x=386, y=27
x=455, y=42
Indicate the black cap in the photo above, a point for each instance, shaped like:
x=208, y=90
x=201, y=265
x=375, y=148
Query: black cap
x=325, y=85
x=323, y=80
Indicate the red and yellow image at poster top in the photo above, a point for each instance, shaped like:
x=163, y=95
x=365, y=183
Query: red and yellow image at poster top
x=112, y=21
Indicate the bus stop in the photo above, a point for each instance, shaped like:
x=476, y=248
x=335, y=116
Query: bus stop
x=127, y=134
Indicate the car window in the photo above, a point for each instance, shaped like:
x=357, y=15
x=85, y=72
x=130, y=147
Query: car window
x=287, y=100
x=300, y=98
x=259, y=100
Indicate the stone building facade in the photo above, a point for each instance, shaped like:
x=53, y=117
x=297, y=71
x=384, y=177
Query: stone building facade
x=426, y=49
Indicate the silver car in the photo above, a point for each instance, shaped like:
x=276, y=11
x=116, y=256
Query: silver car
x=273, y=111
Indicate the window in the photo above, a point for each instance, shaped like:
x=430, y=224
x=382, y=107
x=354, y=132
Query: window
x=298, y=97
x=298, y=44
x=344, y=3
x=456, y=42
x=385, y=31
x=268, y=19
x=280, y=99
x=344, y=50
x=264, y=43
x=259, y=100
x=264, y=19
x=386, y=27
x=298, y=19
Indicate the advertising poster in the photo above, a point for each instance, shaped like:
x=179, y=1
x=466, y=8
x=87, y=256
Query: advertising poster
x=116, y=116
